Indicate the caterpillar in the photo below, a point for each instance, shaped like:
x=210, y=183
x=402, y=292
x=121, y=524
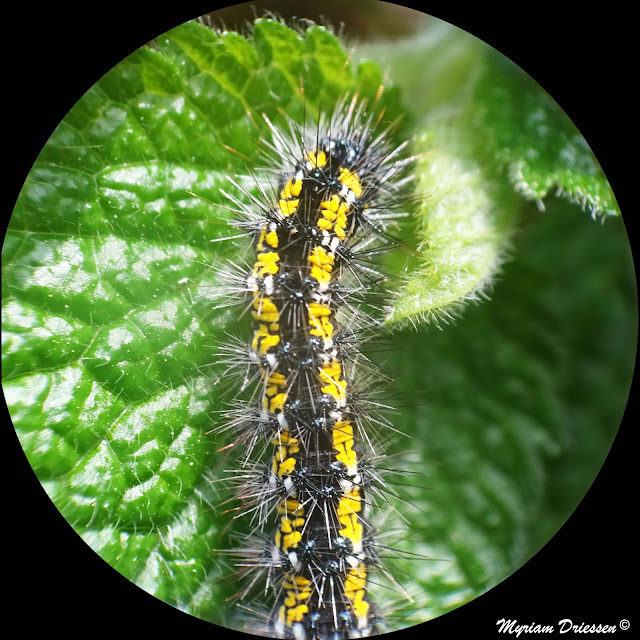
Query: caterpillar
x=309, y=479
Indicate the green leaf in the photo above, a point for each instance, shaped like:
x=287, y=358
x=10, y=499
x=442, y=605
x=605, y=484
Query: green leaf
x=464, y=220
x=478, y=114
x=466, y=212
x=529, y=134
x=513, y=409
x=111, y=325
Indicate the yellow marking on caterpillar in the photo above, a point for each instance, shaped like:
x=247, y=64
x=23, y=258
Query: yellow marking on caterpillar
x=361, y=608
x=263, y=340
x=263, y=233
x=327, y=213
x=357, y=579
x=351, y=180
x=320, y=258
x=331, y=372
x=283, y=463
x=302, y=582
x=265, y=310
x=320, y=320
x=268, y=341
x=272, y=239
x=268, y=258
x=347, y=512
x=355, y=590
x=335, y=206
x=350, y=503
x=286, y=467
x=292, y=520
x=288, y=207
x=343, y=442
x=291, y=540
x=317, y=310
x=334, y=216
x=284, y=437
x=351, y=528
x=342, y=431
x=317, y=158
x=293, y=597
x=292, y=189
x=266, y=264
x=289, y=525
x=340, y=228
x=276, y=403
x=271, y=390
x=322, y=276
x=294, y=608
x=295, y=582
x=281, y=454
x=290, y=506
x=260, y=333
x=322, y=264
x=296, y=614
x=276, y=378
x=264, y=303
x=322, y=328
x=284, y=451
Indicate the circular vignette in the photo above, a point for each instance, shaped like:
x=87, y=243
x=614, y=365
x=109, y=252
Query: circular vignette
x=586, y=521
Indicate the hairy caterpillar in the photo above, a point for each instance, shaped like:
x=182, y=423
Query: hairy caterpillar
x=309, y=478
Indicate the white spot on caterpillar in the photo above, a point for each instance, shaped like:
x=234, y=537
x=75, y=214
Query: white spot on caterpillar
x=282, y=421
x=272, y=361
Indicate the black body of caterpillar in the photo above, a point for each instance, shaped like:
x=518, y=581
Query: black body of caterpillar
x=310, y=500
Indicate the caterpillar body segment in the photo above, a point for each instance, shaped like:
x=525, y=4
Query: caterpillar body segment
x=311, y=500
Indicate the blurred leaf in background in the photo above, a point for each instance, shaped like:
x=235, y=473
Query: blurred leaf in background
x=110, y=326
